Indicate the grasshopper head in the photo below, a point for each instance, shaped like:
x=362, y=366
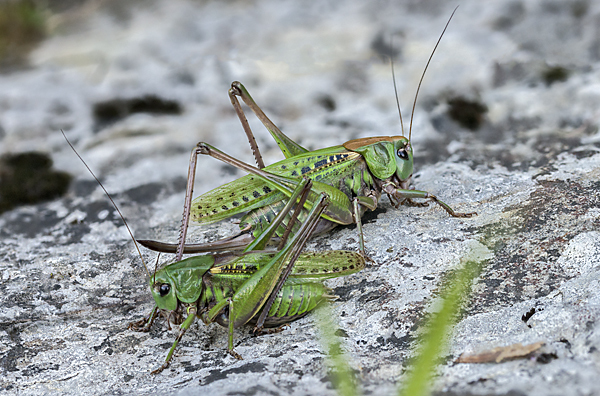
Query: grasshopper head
x=164, y=290
x=180, y=281
x=404, y=158
x=385, y=155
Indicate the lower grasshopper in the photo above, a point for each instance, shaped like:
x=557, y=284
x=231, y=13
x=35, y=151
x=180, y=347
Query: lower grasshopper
x=264, y=288
x=354, y=175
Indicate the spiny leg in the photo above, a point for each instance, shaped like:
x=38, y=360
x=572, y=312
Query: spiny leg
x=234, y=242
x=203, y=148
x=287, y=145
x=187, y=205
x=233, y=91
x=410, y=202
x=361, y=238
x=207, y=149
x=448, y=209
x=182, y=329
x=217, y=310
x=301, y=190
x=230, y=337
x=294, y=217
x=403, y=195
x=370, y=203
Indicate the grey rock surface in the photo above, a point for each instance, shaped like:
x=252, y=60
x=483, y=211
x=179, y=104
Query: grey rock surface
x=506, y=125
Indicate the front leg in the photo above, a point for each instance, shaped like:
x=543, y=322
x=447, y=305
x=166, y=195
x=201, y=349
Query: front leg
x=144, y=324
x=404, y=195
x=182, y=329
x=410, y=202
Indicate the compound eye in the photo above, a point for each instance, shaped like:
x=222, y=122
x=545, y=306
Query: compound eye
x=165, y=288
x=402, y=154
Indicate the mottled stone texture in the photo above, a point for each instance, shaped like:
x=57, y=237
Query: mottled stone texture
x=506, y=125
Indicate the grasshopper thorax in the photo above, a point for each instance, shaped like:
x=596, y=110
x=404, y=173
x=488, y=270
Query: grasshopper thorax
x=385, y=155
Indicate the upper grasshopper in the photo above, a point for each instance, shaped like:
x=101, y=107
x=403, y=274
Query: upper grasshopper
x=354, y=175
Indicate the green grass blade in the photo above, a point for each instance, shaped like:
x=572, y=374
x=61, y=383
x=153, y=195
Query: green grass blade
x=341, y=373
x=454, y=294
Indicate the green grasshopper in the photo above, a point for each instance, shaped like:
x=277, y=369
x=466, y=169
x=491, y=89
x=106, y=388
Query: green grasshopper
x=265, y=288
x=354, y=175
x=261, y=287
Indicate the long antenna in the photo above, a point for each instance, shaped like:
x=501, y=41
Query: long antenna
x=423, y=75
x=111, y=200
x=394, y=79
x=155, y=268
